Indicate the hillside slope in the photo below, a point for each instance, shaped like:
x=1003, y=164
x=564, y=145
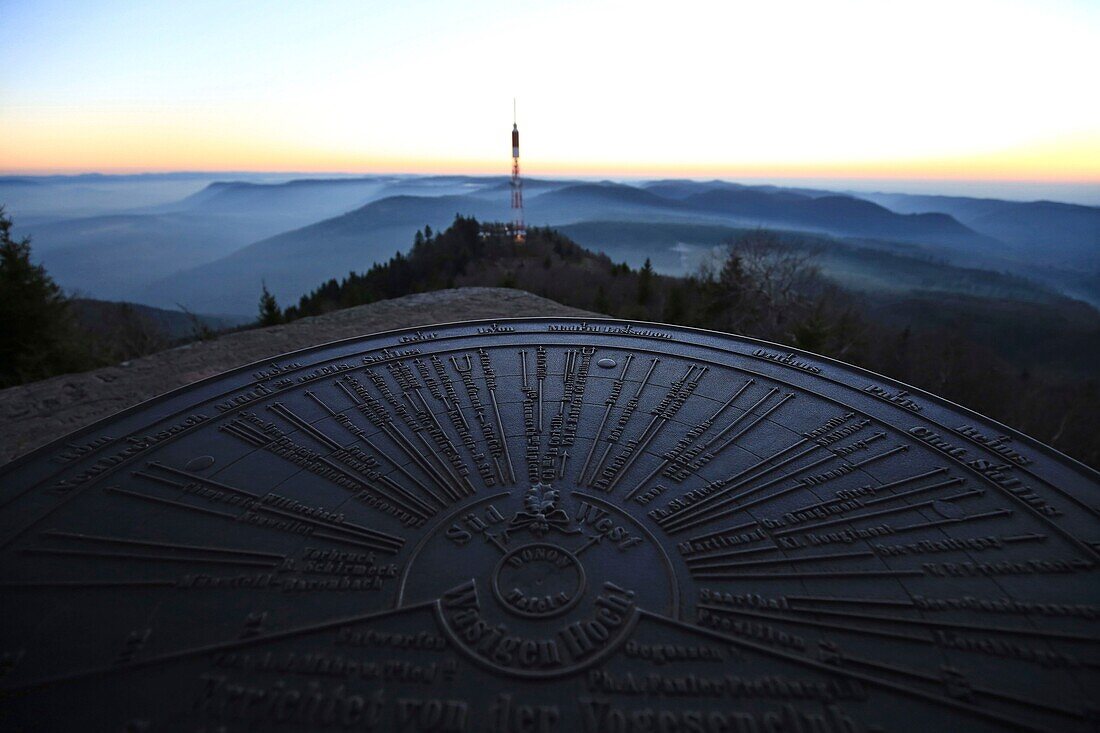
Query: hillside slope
x=292, y=262
x=112, y=257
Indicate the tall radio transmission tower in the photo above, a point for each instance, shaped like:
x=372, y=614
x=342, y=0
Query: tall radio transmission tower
x=519, y=229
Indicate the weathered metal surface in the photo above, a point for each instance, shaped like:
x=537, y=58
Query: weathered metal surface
x=548, y=525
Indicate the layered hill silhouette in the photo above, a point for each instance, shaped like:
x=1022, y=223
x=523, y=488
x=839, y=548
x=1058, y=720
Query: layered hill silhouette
x=105, y=256
x=291, y=261
x=1051, y=232
x=212, y=249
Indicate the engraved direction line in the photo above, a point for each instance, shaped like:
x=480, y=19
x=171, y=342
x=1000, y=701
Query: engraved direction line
x=355, y=430
x=913, y=492
x=702, y=512
x=609, y=403
x=850, y=466
x=1018, y=631
x=1089, y=549
x=540, y=376
x=1005, y=697
x=696, y=560
x=1092, y=509
x=801, y=621
x=292, y=417
x=423, y=423
x=566, y=377
x=638, y=445
x=876, y=489
x=154, y=557
x=712, y=536
x=812, y=574
x=359, y=541
x=1023, y=469
x=861, y=554
x=720, y=509
x=1025, y=538
x=687, y=440
x=461, y=482
x=366, y=531
x=159, y=545
x=791, y=474
x=627, y=414
x=383, y=420
x=447, y=481
x=380, y=540
x=215, y=647
x=877, y=513
x=454, y=465
x=808, y=526
x=393, y=492
x=552, y=461
x=593, y=540
x=1092, y=551
x=377, y=355
x=757, y=419
x=680, y=392
x=503, y=436
x=30, y=584
x=380, y=355
x=955, y=520
x=442, y=387
x=867, y=601
x=169, y=502
x=873, y=502
x=495, y=445
x=79, y=490
x=739, y=479
x=1008, y=721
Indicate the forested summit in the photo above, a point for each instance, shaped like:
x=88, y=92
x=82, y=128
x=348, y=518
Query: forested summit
x=757, y=285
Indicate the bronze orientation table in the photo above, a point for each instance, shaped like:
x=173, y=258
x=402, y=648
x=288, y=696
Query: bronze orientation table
x=549, y=524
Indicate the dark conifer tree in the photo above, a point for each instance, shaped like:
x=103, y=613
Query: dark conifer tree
x=270, y=313
x=38, y=336
x=645, y=282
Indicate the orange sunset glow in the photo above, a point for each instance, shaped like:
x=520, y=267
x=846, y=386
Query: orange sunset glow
x=945, y=93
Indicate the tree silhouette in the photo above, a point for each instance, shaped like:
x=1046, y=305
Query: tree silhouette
x=601, y=304
x=38, y=337
x=645, y=282
x=270, y=312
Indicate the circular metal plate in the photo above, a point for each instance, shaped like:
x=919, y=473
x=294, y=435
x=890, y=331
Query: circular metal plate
x=548, y=525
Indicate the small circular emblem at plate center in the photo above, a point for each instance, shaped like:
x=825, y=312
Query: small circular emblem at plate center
x=538, y=580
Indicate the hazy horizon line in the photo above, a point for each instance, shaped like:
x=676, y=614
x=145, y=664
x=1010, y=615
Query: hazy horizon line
x=1079, y=192
x=695, y=176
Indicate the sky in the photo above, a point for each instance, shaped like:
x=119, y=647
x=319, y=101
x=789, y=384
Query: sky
x=940, y=90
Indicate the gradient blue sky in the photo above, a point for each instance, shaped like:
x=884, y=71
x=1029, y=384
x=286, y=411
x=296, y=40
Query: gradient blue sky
x=1002, y=90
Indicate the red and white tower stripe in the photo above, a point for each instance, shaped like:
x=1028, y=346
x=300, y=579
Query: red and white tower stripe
x=519, y=229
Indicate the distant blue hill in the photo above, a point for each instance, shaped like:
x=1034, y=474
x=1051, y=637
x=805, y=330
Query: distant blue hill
x=1054, y=233
x=209, y=243
x=294, y=262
